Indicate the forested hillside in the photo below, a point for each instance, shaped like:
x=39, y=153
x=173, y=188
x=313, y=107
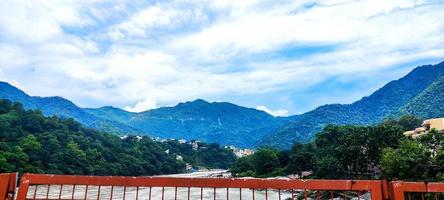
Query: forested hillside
x=429, y=103
x=63, y=108
x=414, y=88
x=220, y=122
x=355, y=152
x=420, y=93
x=30, y=142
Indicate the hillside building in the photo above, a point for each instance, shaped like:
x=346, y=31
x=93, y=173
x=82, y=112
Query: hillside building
x=240, y=152
x=427, y=125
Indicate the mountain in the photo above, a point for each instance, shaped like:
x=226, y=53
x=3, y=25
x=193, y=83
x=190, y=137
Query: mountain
x=62, y=107
x=420, y=92
x=219, y=122
x=429, y=103
x=111, y=113
x=412, y=93
x=32, y=143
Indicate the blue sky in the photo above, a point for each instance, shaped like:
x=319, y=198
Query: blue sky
x=285, y=57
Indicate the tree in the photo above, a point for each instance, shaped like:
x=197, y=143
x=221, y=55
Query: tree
x=437, y=167
x=433, y=140
x=410, y=161
x=328, y=167
x=30, y=142
x=265, y=161
x=300, y=159
x=350, y=152
x=409, y=122
x=243, y=167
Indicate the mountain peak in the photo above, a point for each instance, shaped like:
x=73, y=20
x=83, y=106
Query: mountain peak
x=6, y=85
x=200, y=101
x=109, y=108
x=197, y=102
x=2, y=83
x=411, y=90
x=8, y=91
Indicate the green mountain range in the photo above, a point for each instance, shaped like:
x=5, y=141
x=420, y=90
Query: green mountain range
x=32, y=143
x=429, y=103
x=219, y=122
x=419, y=93
x=62, y=107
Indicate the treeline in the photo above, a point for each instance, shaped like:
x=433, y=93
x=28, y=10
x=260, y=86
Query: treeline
x=206, y=155
x=30, y=142
x=355, y=152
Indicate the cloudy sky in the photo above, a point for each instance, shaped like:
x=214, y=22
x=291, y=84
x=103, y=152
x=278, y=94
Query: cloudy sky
x=285, y=57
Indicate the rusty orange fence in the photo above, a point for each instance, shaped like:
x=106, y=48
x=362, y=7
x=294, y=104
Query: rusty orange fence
x=8, y=183
x=417, y=190
x=48, y=187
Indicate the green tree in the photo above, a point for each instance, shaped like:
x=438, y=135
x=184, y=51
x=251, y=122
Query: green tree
x=433, y=140
x=301, y=159
x=409, y=122
x=30, y=142
x=408, y=162
x=243, y=167
x=265, y=161
x=437, y=167
x=343, y=151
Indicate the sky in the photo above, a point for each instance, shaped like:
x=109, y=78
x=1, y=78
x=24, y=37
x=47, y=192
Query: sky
x=283, y=57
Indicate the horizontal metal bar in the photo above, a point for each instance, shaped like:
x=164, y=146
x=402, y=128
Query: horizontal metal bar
x=378, y=189
x=252, y=183
x=420, y=187
x=435, y=187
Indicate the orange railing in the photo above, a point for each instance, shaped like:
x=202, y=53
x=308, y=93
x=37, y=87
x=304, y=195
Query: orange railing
x=92, y=187
x=38, y=186
x=416, y=190
x=8, y=182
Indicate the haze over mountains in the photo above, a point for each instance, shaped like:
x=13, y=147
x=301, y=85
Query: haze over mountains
x=420, y=93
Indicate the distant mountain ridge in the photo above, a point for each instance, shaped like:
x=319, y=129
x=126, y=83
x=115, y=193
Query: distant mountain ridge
x=429, y=103
x=62, y=107
x=219, y=122
x=420, y=92
x=399, y=97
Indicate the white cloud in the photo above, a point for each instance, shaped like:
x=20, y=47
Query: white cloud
x=141, y=106
x=144, y=56
x=41, y=20
x=276, y=113
x=147, y=22
x=370, y=25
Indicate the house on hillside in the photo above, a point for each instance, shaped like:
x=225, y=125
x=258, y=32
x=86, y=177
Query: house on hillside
x=427, y=125
x=240, y=152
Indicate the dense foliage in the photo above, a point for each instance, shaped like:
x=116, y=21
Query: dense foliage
x=355, y=152
x=429, y=103
x=206, y=155
x=62, y=107
x=421, y=159
x=30, y=142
